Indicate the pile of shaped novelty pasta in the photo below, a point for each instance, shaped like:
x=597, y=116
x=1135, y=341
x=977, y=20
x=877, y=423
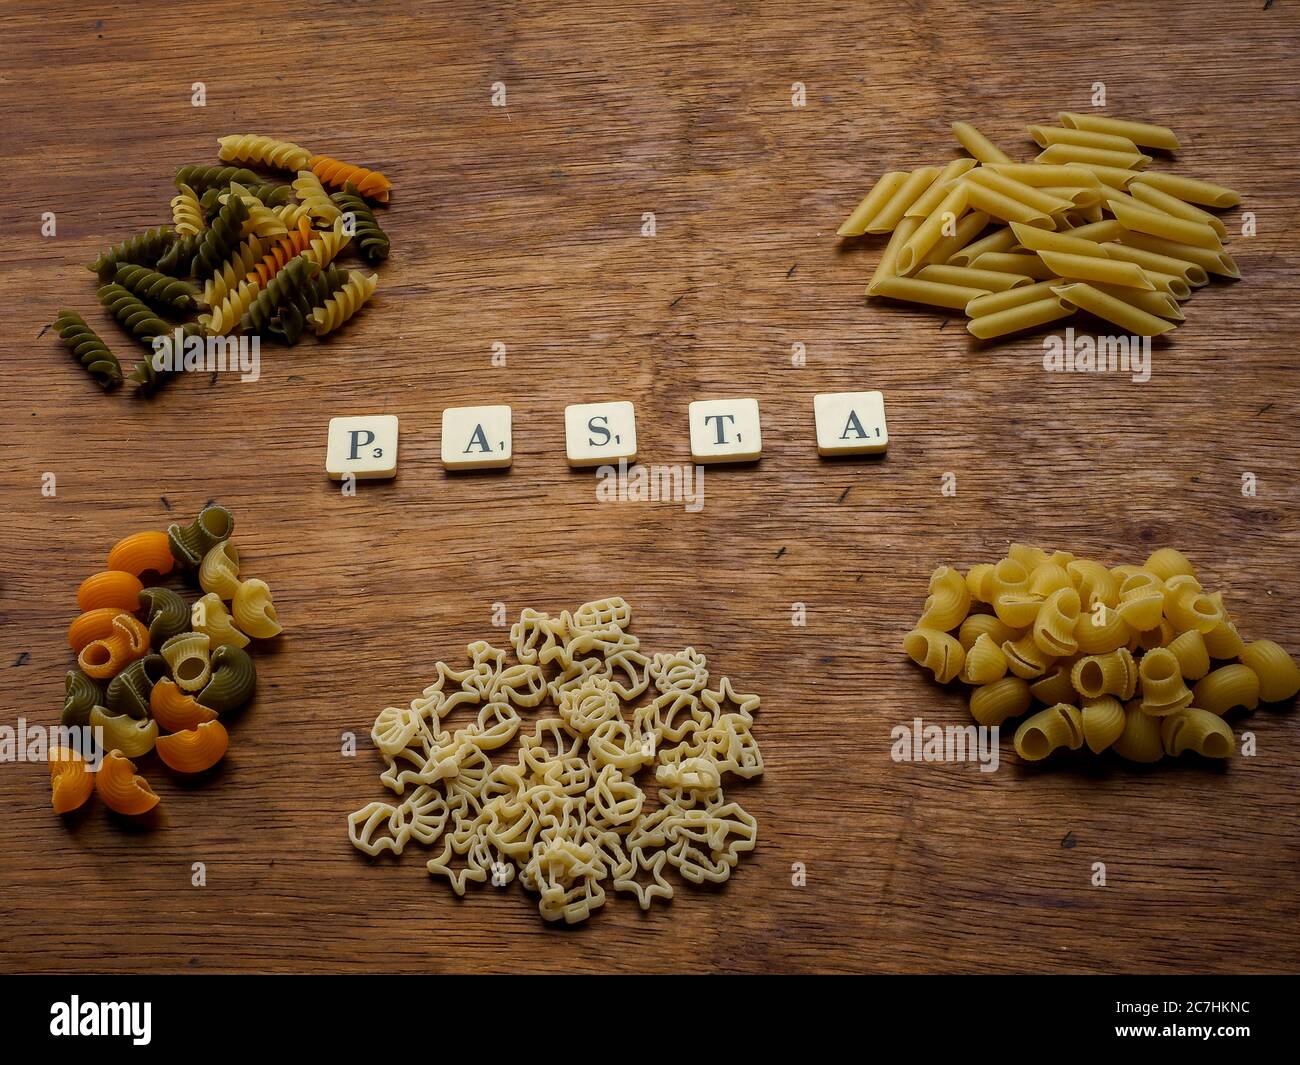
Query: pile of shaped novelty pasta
x=249, y=251
x=155, y=672
x=1122, y=658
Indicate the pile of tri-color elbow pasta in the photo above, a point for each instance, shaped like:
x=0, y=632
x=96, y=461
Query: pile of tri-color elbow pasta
x=1084, y=226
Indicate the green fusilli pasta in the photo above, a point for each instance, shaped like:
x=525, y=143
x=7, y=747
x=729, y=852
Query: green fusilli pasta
x=221, y=238
x=233, y=680
x=81, y=695
x=135, y=316
x=179, y=257
x=278, y=292
x=144, y=247
x=288, y=324
x=88, y=349
x=271, y=195
x=201, y=177
x=166, y=613
x=189, y=543
x=161, y=289
x=370, y=238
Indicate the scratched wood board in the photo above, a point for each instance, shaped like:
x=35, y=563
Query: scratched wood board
x=522, y=224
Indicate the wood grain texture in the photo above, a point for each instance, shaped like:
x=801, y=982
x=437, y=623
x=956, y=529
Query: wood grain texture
x=522, y=225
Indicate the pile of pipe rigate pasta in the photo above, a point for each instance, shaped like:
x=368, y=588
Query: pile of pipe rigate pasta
x=155, y=672
x=579, y=805
x=247, y=252
x=1083, y=226
x=1123, y=658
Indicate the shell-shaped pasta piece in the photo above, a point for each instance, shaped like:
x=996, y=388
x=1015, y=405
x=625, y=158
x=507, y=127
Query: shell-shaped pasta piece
x=1169, y=562
x=129, y=692
x=936, y=651
x=1188, y=607
x=142, y=552
x=1055, y=622
x=1226, y=687
x=1017, y=610
x=233, y=680
x=219, y=570
x=189, y=656
x=1224, y=641
x=210, y=617
x=1025, y=658
x=1054, y=686
x=1197, y=730
x=254, y=148
x=174, y=710
x=80, y=696
x=1161, y=683
x=978, y=582
x=127, y=640
x=110, y=588
x=1048, y=577
x=1140, y=741
x=992, y=704
x=394, y=728
x=165, y=612
x=253, y=610
x=70, y=782
x=1141, y=600
x=189, y=543
x=1114, y=673
x=984, y=662
x=122, y=788
x=1094, y=582
x=92, y=625
x=196, y=749
x=1279, y=676
x=1103, y=722
x=1049, y=730
x=132, y=736
x=977, y=625
x=948, y=602
x=1193, y=657
x=344, y=303
x=369, y=183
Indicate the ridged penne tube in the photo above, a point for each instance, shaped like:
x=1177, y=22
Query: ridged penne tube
x=1049, y=730
x=188, y=655
x=999, y=240
x=121, y=788
x=977, y=144
x=1143, y=134
x=1024, y=264
x=929, y=293
x=109, y=588
x=1030, y=195
x=253, y=610
x=977, y=625
x=936, y=651
x=906, y=194
x=1065, y=154
x=1219, y=262
x=1079, y=195
x=1054, y=623
x=1054, y=687
x=1140, y=741
x=1161, y=201
x=1161, y=684
x=232, y=681
x=948, y=601
x=1100, y=232
x=923, y=206
x=1226, y=687
x=1194, y=275
x=887, y=267
x=1279, y=676
x=252, y=148
x=1193, y=190
x=1046, y=136
x=175, y=710
x=219, y=570
x=993, y=302
x=992, y=704
x=972, y=277
x=70, y=782
x=1100, y=630
x=1197, y=730
x=194, y=750
x=984, y=662
x=1119, y=177
x=1066, y=242
x=1113, y=673
x=209, y=616
x=998, y=205
x=1126, y=316
x=1193, y=657
x=121, y=732
x=931, y=230
x=1166, y=226
x=968, y=227
x=1043, y=175
x=1017, y=609
x=1014, y=319
x=876, y=198
x=1158, y=302
x=1096, y=268
x=1025, y=658
x=1103, y=722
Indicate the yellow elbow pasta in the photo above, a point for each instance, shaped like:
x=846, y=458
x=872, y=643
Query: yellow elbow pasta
x=1103, y=722
x=1169, y=562
x=977, y=582
x=936, y=651
x=1196, y=730
x=219, y=570
x=1054, y=687
x=977, y=625
x=1054, y=623
x=1140, y=741
x=1279, y=676
x=1193, y=656
x=253, y=611
x=948, y=602
x=210, y=617
x=1114, y=673
x=1026, y=658
x=984, y=662
x=992, y=704
x=1101, y=629
x=1049, y=730
x=1227, y=687
x=1161, y=683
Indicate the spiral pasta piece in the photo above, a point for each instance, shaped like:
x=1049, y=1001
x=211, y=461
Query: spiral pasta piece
x=326, y=244
x=360, y=221
x=157, y=287
x=89, y=349
x=121, y=788
x=187, y=212
x=188, y=655
x=136, y=317
x=175, y=710
x=141, y=553
x=344, y=303
x=210, y=617
x=368, y=183
x=282, y=253
x=194, y=750
x=1226, y=687
x=1103, y=722
x=178, y=259
x=936, y=651
x=226, y=316
x=235, y=269
x=189, y=543
x=254, y=148
x=270, y=194
x=253, y=610
x=221, y=238
x=1049, y=730
x=131, y=736
x=201, y=178
x=277, y=292
x=312, y=195
x=145, y=247
x=232, y=683
x=261, y=220
x=70, y=782
x=948, y=602
x=80, y=696
x=1279, y=676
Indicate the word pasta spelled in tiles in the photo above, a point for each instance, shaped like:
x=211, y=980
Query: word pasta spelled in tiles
x=850, y=423
x=476, y=438
x=598, y=433
x=725, y=430
x=364, y=446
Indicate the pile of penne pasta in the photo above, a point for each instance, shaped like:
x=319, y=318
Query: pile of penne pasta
x=1084, y=226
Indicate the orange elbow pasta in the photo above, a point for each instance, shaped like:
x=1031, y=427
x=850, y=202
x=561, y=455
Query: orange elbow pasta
x=196, y=749
x=175, y=710
x=92, y=625
x=111, y=588
x=70, y=782
x=122, y=788
x=143, y=552
x=127, y=640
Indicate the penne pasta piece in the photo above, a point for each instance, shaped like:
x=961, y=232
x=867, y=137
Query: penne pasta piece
x=1161, y=201
x=1012, y=297
x=999, y=240
x=1107, y=229
x=1143, y=134
x=1194, y=191
x=876, y=198
x=999, y=205
x=1095, y=268
x=1122, y=314
x=931, y=197
x=977, y=144
x=1015, y=319
x=1111, y=175
x=1158, y=224
x=1041, y=175
x=1018, y=190
x=1161, y=304
x=1079, y=195
x=896, y=206
x=931, y=293
x=1045, y=240
x=1030, y=266
x=992, y=280
x=929, y=232
x=1046, y=136
x=1063, y=154
x=970, y=226
x=889, y=257
x=1219, y=262
x=1173, y=284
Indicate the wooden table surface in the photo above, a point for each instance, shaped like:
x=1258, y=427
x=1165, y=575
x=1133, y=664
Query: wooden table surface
x=522, y=224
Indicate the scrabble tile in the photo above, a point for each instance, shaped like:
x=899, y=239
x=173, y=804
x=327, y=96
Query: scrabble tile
x=476, y=438
x=362, y=445
x=850, y=423
x=725, y=430
x=599, y=433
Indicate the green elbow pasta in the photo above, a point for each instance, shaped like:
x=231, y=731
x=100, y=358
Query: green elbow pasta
x=144, y=247
x=157, y=287
x=81, y=696
x=279, y=292
x=129, y=691
x=371, y=239
x=189, y=543
x=220, y=238
x=202, y=177
x=166, y=613
x=179, y=256
x=232, y=683
x=88, y=349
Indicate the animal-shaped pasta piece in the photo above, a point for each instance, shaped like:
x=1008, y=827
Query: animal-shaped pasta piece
x=105, y=657
x=121, y=788
x=1226, y=687
x=210, y=617
x=311, y=193
x=219, y=570
x=175, y=710
x=344, y=303
x=70, y=782
x=156, y=287
x=1048, y=730
x=1140, y=741
x=187, y=212
x=89, y=349
x=1103, y=722
x=194, y=750
x=132, y=736
x=166, y=613
x=359, y=220
x=232, y=682
x=1196, y=730
x=189, y=657
x=936, y=651
x=948, y=602
x=145, y=247
x=109, y=588
x=368, y=183
x=81, y=695
x=253, y=610
x=141, y=553
x=1161, y=683
x=189, y=543
x=254, y=148
x=128, y=693
x=1279, y=676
